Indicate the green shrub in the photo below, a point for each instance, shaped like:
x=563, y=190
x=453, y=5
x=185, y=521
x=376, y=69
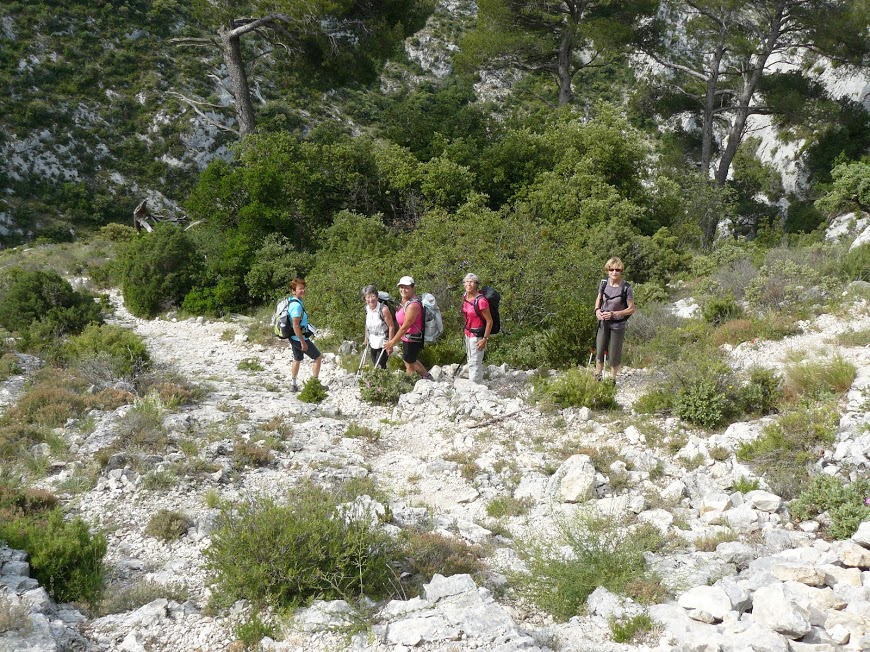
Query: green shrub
x=168, y=525
x=745, y=485
x=701, y=403
x=121, y=351
x=502, y=506
x=855, y=265
x=117, y=600
x=654, y=401
x=384, y=387
x=42, y=306
x=427, y=553
x=9, y=366
x=117, y=233
x=289, y=553
x=250, y=454
x=356, y=431
x=157, y=270
x=784, y=284
x=762, y=393
x=578, y=387
x=302, y=549
x=249, y=364
x=603, y=552
x=786, y=449
x=313, y=391
x=568, y=342
x=819, y=379
x=720, y=309
x=846, y=503
x=253, y=630
x=65, y=557
x=632, y=629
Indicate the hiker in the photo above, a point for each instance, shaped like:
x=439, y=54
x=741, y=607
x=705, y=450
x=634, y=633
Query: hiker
x=478, y=324
x=410, y=317
x=613, y=307
x=379, y=326
x=300, y=340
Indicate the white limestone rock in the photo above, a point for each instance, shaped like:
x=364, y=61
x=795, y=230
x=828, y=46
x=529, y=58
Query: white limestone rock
x=763, y=501
x=574, y=480
x=774, y=607
x=708, y=604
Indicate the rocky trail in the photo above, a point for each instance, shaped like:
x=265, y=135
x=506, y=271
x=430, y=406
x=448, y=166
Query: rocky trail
x=446, y=451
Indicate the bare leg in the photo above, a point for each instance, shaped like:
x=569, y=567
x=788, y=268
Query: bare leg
x=294, y=369
x=315, y=367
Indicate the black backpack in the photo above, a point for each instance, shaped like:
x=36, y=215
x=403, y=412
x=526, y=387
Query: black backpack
x=494, y=298
x=623, y=297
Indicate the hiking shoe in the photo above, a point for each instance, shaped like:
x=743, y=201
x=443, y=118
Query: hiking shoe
x=427, y=377
x=598, y=377
x=294, y=387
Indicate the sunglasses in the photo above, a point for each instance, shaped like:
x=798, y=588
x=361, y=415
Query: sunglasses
x=614, y=269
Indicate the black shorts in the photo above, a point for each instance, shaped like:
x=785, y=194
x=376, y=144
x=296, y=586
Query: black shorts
x=298, y=353
x=410, y=351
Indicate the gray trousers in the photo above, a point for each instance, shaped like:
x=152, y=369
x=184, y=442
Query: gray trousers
x=475, y=359
x=611, y=341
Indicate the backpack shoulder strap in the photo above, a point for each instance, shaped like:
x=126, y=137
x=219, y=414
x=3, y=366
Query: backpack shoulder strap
x=601, y=287
x=625, y=288
x=476, y=309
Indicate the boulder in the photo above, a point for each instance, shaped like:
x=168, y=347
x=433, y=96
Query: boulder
x=709, y=604
x=763, y=501
x=774, y=607
x=574, y=480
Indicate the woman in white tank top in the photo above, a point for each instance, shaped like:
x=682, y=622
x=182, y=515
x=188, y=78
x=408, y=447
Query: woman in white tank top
x=379, y=326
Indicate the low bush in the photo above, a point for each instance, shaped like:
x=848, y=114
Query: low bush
x=383, y=387
x=701, y=403
x=313, y=391
x=631, y=629
x=41, y=306
x=119, y=599
x=9, y=366
x=854, y=338
x=603, y=552
x=356, y=431
x=718, y=310
x=786, y=284
x=142, y=425
x=157, y=270
x=287, y=553
x=168, y=525
x=121, y=351
x=249, y=364
x=745, y=485
x=579, y=387
x=761, y=394
x=254, y=629
x=818, y=379
x=855, y=265
x=64, y=556
x=845, y=502
x=427, y=553
x=251, y=454
x=654, y=401
x=787, y=448
x=503, y=506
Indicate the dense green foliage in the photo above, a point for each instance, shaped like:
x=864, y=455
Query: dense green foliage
x=42, y=306
x=121, y=350
x=845, y=503
x=64, y=556
x=290, y=552
x=157, y=270
x=383, y=387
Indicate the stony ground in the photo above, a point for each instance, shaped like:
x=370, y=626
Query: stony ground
x=419, y=458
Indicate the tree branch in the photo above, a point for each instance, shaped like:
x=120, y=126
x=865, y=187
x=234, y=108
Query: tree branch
x=196, y=104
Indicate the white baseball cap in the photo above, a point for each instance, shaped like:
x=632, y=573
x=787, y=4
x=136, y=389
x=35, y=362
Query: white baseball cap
x=405, y=280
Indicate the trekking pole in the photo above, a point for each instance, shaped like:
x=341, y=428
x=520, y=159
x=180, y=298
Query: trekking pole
x=379, y=356
x=459, y=366
x=362, y=359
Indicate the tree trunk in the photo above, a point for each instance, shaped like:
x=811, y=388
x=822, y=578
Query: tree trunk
x=566, y=54
x=232, y=49
x=754, y=70
x=710, y=105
